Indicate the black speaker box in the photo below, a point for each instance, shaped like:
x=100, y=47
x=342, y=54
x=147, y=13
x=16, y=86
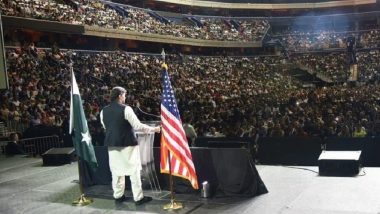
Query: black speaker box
x=58, y=156
x=339, y=163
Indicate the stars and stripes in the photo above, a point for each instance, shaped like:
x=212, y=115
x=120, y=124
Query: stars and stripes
x=174, y=145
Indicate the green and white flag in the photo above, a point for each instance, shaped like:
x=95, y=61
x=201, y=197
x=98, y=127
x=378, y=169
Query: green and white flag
x=78, y=127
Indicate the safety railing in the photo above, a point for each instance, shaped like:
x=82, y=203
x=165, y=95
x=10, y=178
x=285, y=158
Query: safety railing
x=3, y=129
x=36, y=146
x=14, y=126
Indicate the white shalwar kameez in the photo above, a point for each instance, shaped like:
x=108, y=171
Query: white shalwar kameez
x=125, y=161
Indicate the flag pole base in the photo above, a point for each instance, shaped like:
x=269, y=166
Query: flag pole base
x=173, y=205
x=82, y=201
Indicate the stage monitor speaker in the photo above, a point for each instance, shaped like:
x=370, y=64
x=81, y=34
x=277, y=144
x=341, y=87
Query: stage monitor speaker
x=58, y=156
x=339, y=163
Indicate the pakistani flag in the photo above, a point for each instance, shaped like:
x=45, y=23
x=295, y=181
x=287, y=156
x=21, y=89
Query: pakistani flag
x=79, y=129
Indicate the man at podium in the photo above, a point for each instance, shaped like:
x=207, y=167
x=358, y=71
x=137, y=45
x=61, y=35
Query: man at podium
x=120, y=123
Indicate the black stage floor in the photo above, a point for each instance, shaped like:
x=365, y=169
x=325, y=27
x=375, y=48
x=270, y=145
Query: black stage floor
x=28, y=187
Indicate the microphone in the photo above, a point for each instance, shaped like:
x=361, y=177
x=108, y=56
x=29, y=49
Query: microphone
x=152, y=115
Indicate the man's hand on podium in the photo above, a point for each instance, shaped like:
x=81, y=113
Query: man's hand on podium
x=157, y=129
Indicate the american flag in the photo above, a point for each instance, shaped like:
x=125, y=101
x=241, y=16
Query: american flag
x=173, y=138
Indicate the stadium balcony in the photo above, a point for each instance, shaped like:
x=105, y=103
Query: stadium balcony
x=120, y=21
x=271, y=4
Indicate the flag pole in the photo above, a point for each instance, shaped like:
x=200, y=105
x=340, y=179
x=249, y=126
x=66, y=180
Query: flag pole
x=82, y=200
x=173, y=205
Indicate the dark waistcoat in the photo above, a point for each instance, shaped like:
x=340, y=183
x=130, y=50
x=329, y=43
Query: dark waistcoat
x=119, y=132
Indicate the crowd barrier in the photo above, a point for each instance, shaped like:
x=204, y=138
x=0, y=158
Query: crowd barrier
x=10, y=126
x=288, y=151
x=297, y=150
x=224, y=142
x=3, y=130
x=38, y=145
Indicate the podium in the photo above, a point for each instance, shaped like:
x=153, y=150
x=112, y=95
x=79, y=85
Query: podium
x=145, y=141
